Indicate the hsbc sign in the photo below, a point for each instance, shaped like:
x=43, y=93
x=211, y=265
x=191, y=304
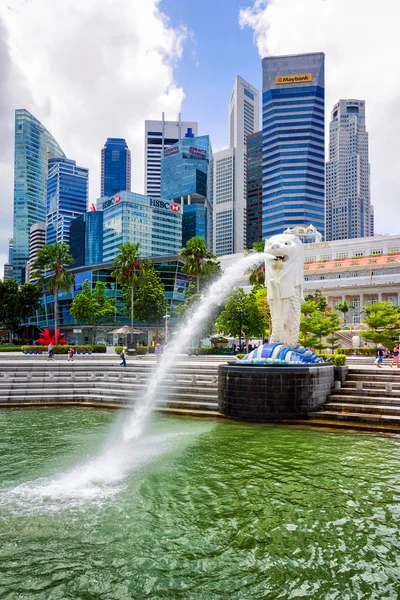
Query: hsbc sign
x=166, y=205
x=111, y=201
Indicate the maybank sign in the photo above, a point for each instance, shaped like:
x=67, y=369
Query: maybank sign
x=293, y=79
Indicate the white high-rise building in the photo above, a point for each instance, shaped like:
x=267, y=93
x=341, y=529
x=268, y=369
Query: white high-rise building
x=244, y=116
x=158, y=136
x=224, y=200
x=37, y=239
x=349, y=213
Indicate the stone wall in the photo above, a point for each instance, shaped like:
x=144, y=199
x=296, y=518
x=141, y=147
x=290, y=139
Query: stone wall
x=272, y=393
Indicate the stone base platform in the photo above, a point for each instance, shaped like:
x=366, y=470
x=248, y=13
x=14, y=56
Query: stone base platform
x=268, y=393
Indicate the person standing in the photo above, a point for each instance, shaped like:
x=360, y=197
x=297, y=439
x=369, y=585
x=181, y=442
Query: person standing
x=70, y=354
x=157, y=352
x=379, y=356
x=50, y=352
x=395, y=356
x=123, y=357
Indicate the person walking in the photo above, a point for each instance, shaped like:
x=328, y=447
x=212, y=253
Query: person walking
x=395, y=356
x=123, y=357
x=379, y=356
x=50, y=352
x=70, y=355
x=157, y=352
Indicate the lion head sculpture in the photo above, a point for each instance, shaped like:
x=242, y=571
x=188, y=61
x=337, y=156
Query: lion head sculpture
x=284, y=266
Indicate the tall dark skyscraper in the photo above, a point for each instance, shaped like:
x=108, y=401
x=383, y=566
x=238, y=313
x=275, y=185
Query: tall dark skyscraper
x=254, y=188
x=293, y=142
x=34, y=145
x=115, y=167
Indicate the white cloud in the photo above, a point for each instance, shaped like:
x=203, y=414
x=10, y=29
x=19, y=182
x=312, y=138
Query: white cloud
x=361, y=41
x=87, y=70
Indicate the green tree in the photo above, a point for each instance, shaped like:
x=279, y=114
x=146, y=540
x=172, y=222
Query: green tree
x=318, y=299
x=150, y=304
x=344, y=308
x=199, y=261
x=316, y=324
x=260, y=294
x=383, y=322
x=127, y=266
x=332, y=342
x=240, y=316
x=55, y=258
x=92, y=305
x=18, y=303
x=257, y=273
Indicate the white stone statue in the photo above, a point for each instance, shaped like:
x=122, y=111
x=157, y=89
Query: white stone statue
x=284, y=278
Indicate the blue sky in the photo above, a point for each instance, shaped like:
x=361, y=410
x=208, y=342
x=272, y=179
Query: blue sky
x=218, y=51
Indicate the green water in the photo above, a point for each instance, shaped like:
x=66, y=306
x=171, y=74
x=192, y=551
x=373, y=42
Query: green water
x=207, y=511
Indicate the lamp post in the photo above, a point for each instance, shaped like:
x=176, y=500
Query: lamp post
x=166, y=317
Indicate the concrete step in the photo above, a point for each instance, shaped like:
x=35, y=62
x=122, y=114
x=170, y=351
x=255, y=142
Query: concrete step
x=368, y=392
x=340, y=398
x=358, y=398
x=349, y=407
x=366, y=417
x=197, y=387
x=353, y=426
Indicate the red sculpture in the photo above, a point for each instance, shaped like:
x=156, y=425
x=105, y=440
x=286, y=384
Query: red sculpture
x=48, y=336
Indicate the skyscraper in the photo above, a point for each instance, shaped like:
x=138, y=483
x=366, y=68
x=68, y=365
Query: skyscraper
x=86, y=239
x=67, y=197
x=158, y=136
x=349, y=213
x=37, y=239
x=224, y=202
x=186, y=178
x=8, y=268
x=293, y=142
x=244, y=119
x=254, y=188
x=115, y=167
x=33, y=146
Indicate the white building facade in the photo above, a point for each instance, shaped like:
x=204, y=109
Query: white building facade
x=158, y=136
x=359, y=271
x=224, y=201
x=349, y=213
x=244, y=117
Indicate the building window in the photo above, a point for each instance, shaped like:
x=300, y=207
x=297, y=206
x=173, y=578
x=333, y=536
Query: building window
x=342, y=255
x=376, y=252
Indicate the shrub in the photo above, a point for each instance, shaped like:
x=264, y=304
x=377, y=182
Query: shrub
x=10, y=348
x=339, y=360
x=203, y=350
x=59, y=349
x=340, y=351
x=99, y=349
x=142, y=350
x=118, y=349
x=152, y=349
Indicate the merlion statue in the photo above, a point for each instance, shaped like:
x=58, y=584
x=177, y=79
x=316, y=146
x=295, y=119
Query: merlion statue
x=284, y=277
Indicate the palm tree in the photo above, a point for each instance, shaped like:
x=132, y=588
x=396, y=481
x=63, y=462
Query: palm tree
x=54, y=258
x=127, y=266
x=199, y=261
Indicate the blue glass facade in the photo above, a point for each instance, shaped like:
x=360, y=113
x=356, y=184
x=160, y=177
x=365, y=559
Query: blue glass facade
x=293, y=169
x=115, y=167
x=33, y=146
x=86, y=239
x=254, y=188
x=67, y=197
x=154, y=223
x=186, y=178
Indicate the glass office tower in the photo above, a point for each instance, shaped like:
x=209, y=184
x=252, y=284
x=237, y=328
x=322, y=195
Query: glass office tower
x=86, y=239
x=115, y=167
x=33, y=146
x=186, y=178
x=254, y=188
x=293, y=142
x=67, y=197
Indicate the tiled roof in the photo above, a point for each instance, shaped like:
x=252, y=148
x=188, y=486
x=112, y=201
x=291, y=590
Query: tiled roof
x=362, y=262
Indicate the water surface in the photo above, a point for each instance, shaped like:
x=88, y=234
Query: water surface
x=207, y=511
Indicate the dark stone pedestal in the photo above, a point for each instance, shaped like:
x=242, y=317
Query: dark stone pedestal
x=272, y=393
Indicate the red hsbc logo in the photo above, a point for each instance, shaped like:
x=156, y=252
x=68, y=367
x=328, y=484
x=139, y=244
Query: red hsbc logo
x=175, y=207
x=117, y=198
